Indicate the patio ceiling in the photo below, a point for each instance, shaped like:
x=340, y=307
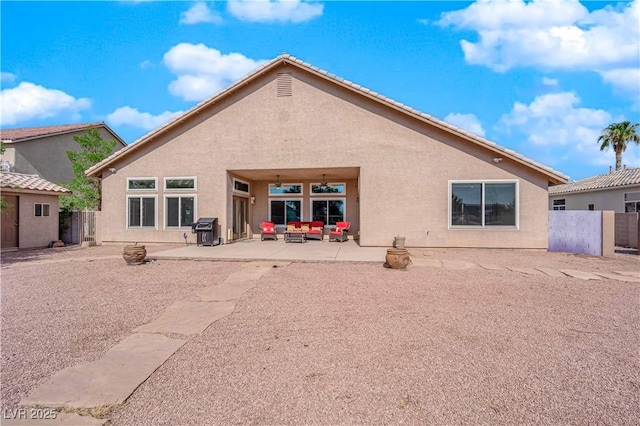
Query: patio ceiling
x=331, y=174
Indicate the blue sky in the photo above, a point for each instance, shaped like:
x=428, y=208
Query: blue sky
x=541, y=78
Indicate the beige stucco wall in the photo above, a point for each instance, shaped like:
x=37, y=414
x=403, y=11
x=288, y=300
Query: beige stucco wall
x=405, y=166
x=608, y=199
x=36, y=231
x=47, y=156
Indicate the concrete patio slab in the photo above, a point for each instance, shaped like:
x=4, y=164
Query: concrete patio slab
x=61, y=419
x=552, y=272
x=109, y=380
x=458, y=264
x=580, y=274
x=491, y=267
x=617, y=277
x=188, y=317
x=528, y=271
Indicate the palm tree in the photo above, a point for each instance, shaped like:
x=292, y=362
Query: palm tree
x=617, y=135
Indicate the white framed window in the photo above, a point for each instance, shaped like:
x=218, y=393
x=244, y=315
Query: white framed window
x=632, y=202
x=489, y=204
x=332, y=188
x=187, y=183
x=41, y=210
x=283, y=211
x=142, y=211
x=179, y=211
x=330, y=211
x=142, y=184
x=285, y=189
x=559, y=204
x=240, y=186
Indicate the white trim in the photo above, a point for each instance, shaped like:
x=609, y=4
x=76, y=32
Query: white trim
x=154, y=179
x=155, y=218
x=237, y=191
x=172, y=190
x=484, y=227
x=327, y=194
x=301, y=193
x=165, y=227
x=326, y=224
x=285, y=211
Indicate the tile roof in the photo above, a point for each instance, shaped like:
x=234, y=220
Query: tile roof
x=630, y=176
x=30, y=183
x=25, y=133
x=289, y=59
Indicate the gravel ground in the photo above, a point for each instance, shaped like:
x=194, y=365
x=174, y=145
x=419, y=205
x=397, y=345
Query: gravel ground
x=345, y=343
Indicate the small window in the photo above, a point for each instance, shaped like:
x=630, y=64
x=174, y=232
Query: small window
x=559, y=204
x=282, y=212
x=328, y=189
x=591, y=207
x=632, y=202
x=328, y=211
x=148, y=184
x=285, y=189
x=180, y=183
x=42, y=210
x=180, y=211
x=141, y=212
x=240, y=186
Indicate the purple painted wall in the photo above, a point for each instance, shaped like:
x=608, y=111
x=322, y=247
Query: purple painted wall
x=576, y=231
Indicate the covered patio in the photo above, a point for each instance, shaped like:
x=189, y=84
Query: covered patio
x=254, y=249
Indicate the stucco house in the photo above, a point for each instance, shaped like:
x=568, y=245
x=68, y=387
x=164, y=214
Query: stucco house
x=43, y=150
x=293, y=142
x=618, y=191
x=31, y=216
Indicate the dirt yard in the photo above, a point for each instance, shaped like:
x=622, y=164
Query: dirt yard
x=323, y=343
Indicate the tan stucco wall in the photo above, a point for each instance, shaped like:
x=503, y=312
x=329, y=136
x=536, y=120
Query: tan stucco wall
x=47, y=156
x=36, y=231
x=608, y=199
x=405, y=166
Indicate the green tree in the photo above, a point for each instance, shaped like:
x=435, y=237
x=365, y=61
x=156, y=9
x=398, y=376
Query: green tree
x=616, y=135
x=86, y=191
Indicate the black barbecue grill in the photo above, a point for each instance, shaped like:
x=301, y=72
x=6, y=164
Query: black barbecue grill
x=206, y=229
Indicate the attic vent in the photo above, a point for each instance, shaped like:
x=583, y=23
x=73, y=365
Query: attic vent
x=284, y=84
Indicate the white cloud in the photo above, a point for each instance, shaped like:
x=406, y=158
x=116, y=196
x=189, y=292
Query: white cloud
x=274, y=11
x=466, y=121
x=132, y=117
x=199, y=13
x=549, y=81
x=551, y=35
x=7, y=77
x=559, y=129
x=29, y=101
x=202, y=71
x=624, y=80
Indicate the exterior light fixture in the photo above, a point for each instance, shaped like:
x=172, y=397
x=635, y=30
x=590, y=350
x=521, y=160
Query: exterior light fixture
x=278, y=184
x=324, y=183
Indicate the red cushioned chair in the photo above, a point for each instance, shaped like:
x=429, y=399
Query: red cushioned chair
x=340, y=233
x=316, y=230
x=268, y=231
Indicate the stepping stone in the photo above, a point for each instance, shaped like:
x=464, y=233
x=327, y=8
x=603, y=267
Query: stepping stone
x=61, y=419
x=109, y=380
x=580, y=274
x=526, y=271
x=188, y=317
x=248, y=274
x=431, y=263
x=635, y=274
x=226, y=291
x=626, y=278
x=490, y=267
x=552, y=272
x=457, y=264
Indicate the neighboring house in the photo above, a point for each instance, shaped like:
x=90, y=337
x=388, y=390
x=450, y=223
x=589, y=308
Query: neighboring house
x=292, y=142
x=31, y=217
x=43, y=150
x=618, y=191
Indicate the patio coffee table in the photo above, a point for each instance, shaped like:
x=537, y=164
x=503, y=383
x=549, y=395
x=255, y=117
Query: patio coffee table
x=295, y=237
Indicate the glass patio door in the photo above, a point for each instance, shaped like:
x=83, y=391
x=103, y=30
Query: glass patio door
x=240, y=215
